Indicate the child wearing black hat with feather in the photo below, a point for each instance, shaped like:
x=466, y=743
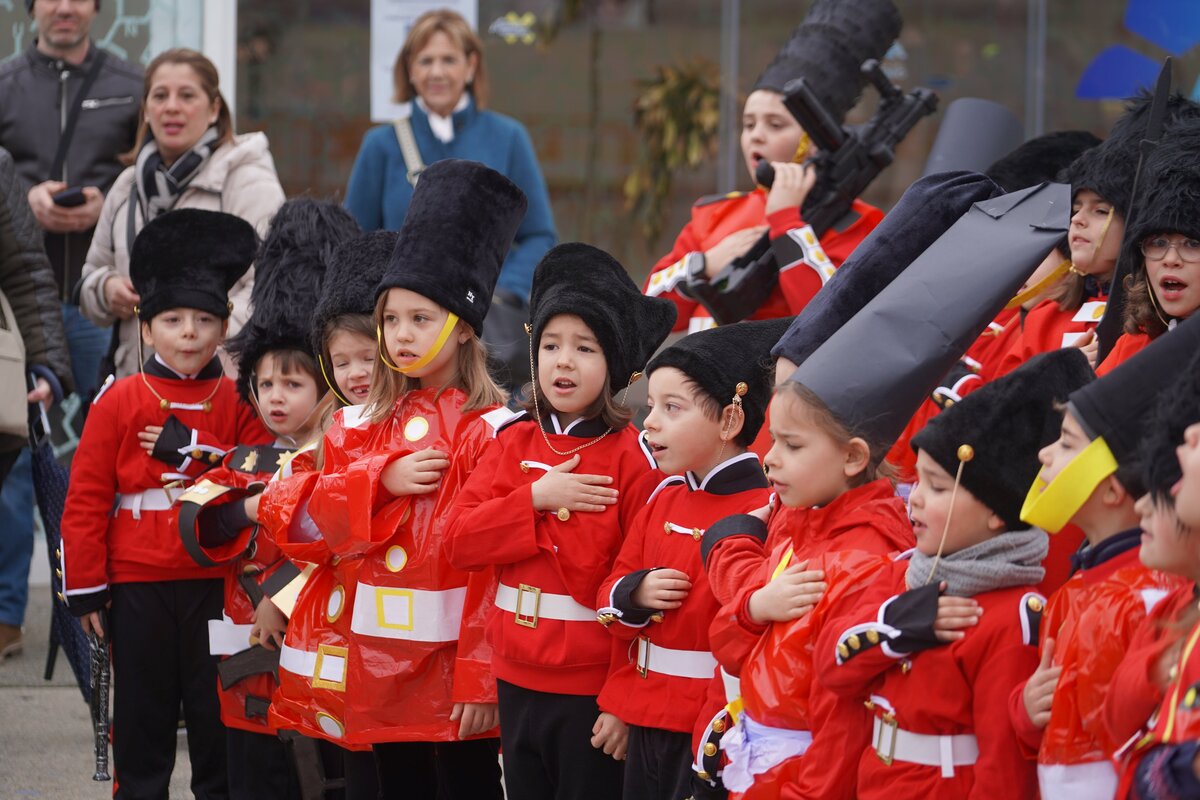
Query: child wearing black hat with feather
x=277, y=375
x=708, y=395
x=548, y=508
x=121, y=549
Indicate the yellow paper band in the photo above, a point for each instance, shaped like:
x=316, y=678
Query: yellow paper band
x=1045, y=283
x=438, y=344
x=332, y=386
x=1050, y=506
x=783, y=564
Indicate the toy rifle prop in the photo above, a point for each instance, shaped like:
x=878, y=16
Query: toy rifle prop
x=100, y=676
x=1112, y=323
x=847, y=161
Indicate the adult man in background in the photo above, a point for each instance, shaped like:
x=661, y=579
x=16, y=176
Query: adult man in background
x=69, y=111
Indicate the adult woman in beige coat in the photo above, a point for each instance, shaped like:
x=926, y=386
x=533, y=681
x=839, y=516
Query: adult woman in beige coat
x=187, y=157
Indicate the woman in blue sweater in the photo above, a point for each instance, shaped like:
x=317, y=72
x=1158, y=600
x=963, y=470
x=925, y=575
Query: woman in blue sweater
x=440, y=77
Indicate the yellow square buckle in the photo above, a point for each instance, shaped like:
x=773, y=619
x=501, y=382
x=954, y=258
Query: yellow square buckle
x=643, y=655
x=886, y=740
x=337, y=656
x=528, y=619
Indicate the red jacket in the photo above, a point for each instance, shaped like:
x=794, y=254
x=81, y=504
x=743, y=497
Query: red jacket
x=803, y=267
x=100, y=547
x=416, y=642
x=1126, y=347
x=1047, y=327
x=667, y=534
x=494, y=524
x=951, y=689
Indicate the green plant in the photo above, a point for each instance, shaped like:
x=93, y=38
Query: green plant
x=677, y=114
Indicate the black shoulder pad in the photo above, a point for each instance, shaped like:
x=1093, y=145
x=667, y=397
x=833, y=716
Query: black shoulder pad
x=524, y=416
x=736, y=525
x=709, y=199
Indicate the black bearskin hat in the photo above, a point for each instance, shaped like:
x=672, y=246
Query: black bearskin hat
x=1177, y=407
x=926, y=210
x=457, y=232
x=829, y=47
x=190, y=259
x=1006, y=423
x=1040, y=159
x=719, y=359
x=288, y=274
x=579, y=279
x=352, y=279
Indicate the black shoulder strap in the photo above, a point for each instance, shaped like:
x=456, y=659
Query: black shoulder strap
x=60, y=156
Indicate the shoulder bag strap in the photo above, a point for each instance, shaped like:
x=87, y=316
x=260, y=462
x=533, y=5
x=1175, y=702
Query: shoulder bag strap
x=68, y=132
x=408, y=149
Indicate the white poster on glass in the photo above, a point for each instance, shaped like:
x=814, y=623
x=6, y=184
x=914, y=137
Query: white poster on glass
x=390, y=21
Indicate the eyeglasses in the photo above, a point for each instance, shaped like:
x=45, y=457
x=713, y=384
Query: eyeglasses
x=1156, y=248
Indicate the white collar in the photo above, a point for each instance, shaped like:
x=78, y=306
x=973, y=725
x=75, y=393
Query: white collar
x=558, y=428
x=443, y=127
x=698, y=485
x=178, y=374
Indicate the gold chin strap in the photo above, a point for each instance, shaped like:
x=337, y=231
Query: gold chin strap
x=1050, y=505
x=965, y=453
x=1154, y=302
x=330, y=384
x=442, y=337
x=537, y=412
x=1045, y=283
x=802, y=147
x=266, y=423
x=739, y=392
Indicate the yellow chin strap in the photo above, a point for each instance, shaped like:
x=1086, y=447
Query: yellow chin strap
x=1045, y=283
x=1050, y=506
x=332, y=386
x=442, y=337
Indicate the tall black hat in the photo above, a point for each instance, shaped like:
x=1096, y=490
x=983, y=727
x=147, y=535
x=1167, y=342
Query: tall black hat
x=1040, y=159
x=1004, y=424
x=878, y=368
x=352, y=279
x=457, y=232
x=828, y=48
x=190, y=259
x=288, y=274
x=579, y=279
x=720, y=359
x=1177, y=408
x=926, y=211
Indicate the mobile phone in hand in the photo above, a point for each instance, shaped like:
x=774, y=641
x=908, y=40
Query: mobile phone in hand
x=69, y=198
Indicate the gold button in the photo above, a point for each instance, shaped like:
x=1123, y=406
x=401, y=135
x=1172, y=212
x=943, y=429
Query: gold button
x=58, y=573
x=906, y=667
x=1035, y=604
x=702, y=775
x=213, y=458
x=164, y=404
x=563, y=514
x=62, y=597
x=656, y=617
x=854, y=641
x=1189, y=699
x=606, y=619
x=843, y=651
x=58, y=553
x=718, y=726
x=873, y=636
x=666, y=527
x=524, y=467
x=710, y=749
x=697, y=534
x=197, y=453
x=870, y=704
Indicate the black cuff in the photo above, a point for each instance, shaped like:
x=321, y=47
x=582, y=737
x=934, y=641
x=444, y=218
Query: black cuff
x=736, y=525
x=622, y=598
x=913, y=614
x=83, y=604
x=220, y=524
x=175, y=436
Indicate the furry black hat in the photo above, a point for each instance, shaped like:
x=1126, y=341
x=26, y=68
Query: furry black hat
x=926, y=210
x=579, y=279
x=352, y=280
x=1177, y=407
x=876, y=370
x=828, y=48
x=718, y=359
x=190, y=259
x=288, y=273
x=456, y=234
x=1005, y=423
x=1040, y=159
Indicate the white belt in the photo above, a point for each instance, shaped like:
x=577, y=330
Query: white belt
x=947, y=752
x=754, y=748
x=528, y=604
x=733, y=686
x=226, y=638
x=1069, y=781
x=417, y=615
x=149, y=500
x=677, y=663
x=326, y=668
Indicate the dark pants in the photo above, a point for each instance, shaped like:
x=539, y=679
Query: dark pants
x=658, y=765
x=358, y=769
x=160, y=659
x=439, y=770
x=259, y=767
x=548, y=753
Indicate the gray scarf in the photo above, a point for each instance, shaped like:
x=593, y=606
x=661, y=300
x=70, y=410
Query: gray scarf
x=1007, y=559
x=159, y=186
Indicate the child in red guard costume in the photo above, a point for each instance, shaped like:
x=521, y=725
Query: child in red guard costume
x=935, y=647
x=176, y=418
x=1090, y=478
x=549, y=506
x=708, y=395
x=278, y=375
x=419, y=686
x=827, y=49
x=310, y=698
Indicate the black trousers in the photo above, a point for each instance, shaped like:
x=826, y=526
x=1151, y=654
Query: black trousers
x=658, y=765
x=259, y=767
x=548, y=753
x=160, y=660
x=439, y=770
